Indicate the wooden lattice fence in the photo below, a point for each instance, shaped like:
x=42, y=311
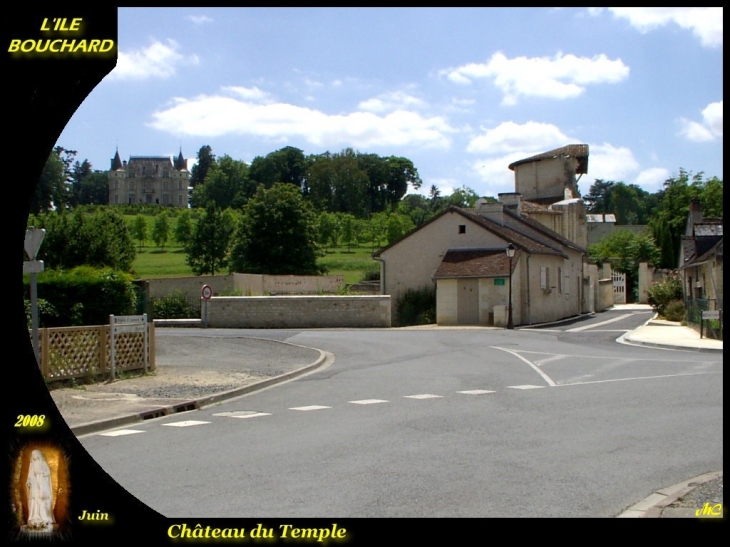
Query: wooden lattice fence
x=85, y=352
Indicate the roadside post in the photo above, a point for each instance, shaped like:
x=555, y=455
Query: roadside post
x=710, y=315
x=33, y=239
x=206, y=292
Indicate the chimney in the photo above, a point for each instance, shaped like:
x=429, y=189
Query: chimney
x=492, y=211
x=513, y=200
x=695, y=211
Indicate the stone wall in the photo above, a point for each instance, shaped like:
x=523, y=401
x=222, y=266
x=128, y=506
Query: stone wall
x=260, y=284
x=281, y=312
x=190, y=286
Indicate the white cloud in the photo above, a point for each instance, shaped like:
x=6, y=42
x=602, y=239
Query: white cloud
x=705, y=23
x=249, y=93
x=510, y=137
x=652, y=179
x=158, y=60
x=388, y=102
x=695, y=132
x=199, y=19
x=560, y=77
x=711, y=127
x=609, y=162
x=712, y=116
x=215, y=115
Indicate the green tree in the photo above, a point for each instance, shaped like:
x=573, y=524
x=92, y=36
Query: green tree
x=161, y=230
x=226, y=184
x=285, y=165
x=92, y=189
x=208, y=248
x=625, y=250
x=140, y=230
x=183, y=227
x=673, y=209
x=327, y=229
x=206, y=160
x=277, y=234
x=101, y=238
x=50, y=190
x=398, y=226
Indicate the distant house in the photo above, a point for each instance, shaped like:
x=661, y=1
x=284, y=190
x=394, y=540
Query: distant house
x=149, y=179
x=701, y=263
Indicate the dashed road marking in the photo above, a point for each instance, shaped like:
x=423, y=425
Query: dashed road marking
x=120, y=432
x=186, y=423
x=368, y=401
x=241, y=414
x=312, y=407
x=423, y=396
x=476, y=392
x=525, y=386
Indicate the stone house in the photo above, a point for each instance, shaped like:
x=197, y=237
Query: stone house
x=701, y=264
x=463, y=251
x=149, y=179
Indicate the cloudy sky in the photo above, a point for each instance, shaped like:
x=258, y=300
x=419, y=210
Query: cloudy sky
x=460, y=92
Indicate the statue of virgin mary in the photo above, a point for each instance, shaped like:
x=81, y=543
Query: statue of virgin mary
x=39, y=493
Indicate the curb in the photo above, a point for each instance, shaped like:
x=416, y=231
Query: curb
x=626, y=339
x=653, y=505
x=325, y=359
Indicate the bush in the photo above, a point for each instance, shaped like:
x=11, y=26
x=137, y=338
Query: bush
x=675, y=311
x=84, y=295
x=174, y=306
x=661, y=294
x=416, y=307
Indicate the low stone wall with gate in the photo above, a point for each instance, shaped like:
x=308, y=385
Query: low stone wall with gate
x=281, y=312
x=85, y=352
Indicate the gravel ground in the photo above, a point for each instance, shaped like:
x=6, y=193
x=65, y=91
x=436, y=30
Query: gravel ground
x=187, y=368
x=707, y=492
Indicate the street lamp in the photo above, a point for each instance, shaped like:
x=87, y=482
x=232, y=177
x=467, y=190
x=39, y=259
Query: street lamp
x=510, y=254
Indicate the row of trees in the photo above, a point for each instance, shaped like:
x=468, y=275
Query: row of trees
x=345, y=182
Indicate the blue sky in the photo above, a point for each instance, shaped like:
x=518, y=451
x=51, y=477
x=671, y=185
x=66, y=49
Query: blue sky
x=460, y=92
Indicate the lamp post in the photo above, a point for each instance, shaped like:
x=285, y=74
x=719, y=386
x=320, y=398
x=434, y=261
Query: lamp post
x=510, y=254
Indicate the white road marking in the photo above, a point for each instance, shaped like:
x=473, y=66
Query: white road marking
x=252, y=415
x=240, y=414
x=368, y=401
x=120, y=432
x=555, y=357
x=526, y=386
x=423, y=396
x=186, y=423
x=533, y=365
x=640, y=378
x=476, y=392
x=312, y=407
x=606, y=322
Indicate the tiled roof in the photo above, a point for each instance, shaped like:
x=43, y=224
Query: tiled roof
x=527, y=234
x=714, y=251
x=578, y=151
x=708, y=229
x=517, y=231
x=475, y=263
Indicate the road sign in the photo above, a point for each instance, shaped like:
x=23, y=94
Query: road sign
x=711, y=314
x=33, y=240
x=206, y=292
x=32, y=266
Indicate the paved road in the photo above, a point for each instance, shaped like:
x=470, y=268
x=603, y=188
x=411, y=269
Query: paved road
x=556, y=422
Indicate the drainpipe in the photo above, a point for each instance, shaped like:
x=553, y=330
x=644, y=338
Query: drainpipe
x=527, y=261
